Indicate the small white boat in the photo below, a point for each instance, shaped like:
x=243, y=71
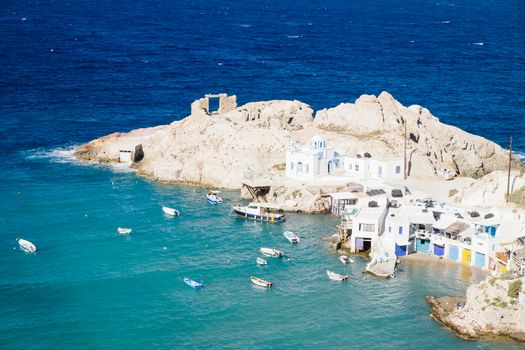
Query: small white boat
x=123, y=230
x=335, y=276
x=261, y=261
x=213, y=197
x=26, y=246
x=192, y=283
x=291, y=237
x=274, y=253
x=260, y=282
x=170, y=211
x=346, y=259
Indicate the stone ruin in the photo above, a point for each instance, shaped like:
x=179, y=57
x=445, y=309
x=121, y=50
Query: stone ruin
x=202, y=105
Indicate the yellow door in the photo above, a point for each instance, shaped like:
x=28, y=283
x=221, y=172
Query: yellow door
x=466, y=256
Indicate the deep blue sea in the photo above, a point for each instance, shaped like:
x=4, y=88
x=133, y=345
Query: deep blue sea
x=71, y=71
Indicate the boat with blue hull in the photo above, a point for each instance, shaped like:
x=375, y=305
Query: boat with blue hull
x=259, y=212
x=213, y=197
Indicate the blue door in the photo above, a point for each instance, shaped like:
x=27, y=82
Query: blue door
x=439, y=250
x=480, y=260
x=401, y=250
x=453, y=252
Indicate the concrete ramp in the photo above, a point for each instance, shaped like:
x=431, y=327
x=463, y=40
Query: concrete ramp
x=382, y=266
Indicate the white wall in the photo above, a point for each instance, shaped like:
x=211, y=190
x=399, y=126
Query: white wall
x=370, y=168
x=308, y=169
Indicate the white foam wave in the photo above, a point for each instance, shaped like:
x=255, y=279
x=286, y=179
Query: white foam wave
x=519, y=155
x=59, y=155
x=444, y=22
x=292, y=36
x=246, y=25
x=478, y=44
x=65, y=155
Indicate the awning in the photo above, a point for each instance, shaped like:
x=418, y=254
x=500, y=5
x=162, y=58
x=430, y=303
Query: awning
x=457, y=227
x=342, y=195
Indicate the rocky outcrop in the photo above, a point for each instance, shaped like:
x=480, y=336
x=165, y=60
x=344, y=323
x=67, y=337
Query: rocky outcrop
x=489, y=310
x=433, y=147
x=490, y=190
x=218, y=149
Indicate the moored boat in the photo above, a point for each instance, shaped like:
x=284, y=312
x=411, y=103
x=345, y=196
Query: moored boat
x=170, y=211
x=274, y=253
x=26, y=246
x=261, y=261
x=291, y=237
x=123, y=230
x=260, y=282
x=213, y=197
x=192, y=283
x=334, y=276
x=259, y=212
x=346, y=259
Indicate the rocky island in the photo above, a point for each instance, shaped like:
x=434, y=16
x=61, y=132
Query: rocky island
x=219, y=148
x=236, y=144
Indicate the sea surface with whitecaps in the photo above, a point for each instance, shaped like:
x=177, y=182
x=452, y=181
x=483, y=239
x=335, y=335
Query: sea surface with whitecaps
x=71, y=71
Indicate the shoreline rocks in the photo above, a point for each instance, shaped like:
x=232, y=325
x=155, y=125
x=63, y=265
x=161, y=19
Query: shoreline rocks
x=488, y=311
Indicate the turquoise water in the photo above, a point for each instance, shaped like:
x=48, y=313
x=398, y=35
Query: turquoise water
x=88, y=287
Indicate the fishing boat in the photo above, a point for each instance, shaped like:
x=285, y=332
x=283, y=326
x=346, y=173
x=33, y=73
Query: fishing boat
x=274, y=253
x=123, y=230
x=170, y=211
x=26, y=246
x=260, y=282
x=259, y=212
x=192, y=283
x=346, y=259
x=291, y=237
x=335, y=276
x=213, y=197
x=261, y=261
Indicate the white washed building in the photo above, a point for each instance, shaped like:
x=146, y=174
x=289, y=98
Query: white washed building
x=312, y=160
x=371, y=168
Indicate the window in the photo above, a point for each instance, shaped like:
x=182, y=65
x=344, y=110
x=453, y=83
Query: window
x=398, y=169
x=291, y=166
x=366, y=227
x=357, y=167
x=299, y=167
x=307, y=168
x=349, y=166
x=400, y=230
x=389, y=229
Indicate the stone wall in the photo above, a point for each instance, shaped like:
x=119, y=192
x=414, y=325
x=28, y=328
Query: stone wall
x=201, y=106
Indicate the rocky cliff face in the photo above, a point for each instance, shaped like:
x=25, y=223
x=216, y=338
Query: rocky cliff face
x=433, y=147
x=219, y=149
x=487, y=311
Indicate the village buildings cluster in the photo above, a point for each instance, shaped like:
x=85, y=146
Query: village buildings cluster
x=395, y=222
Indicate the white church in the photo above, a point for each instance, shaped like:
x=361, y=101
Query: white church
x=312, y=161
x=315, y=160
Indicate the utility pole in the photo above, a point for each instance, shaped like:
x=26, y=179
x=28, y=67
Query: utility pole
x=405, y=153
x=510, y=164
